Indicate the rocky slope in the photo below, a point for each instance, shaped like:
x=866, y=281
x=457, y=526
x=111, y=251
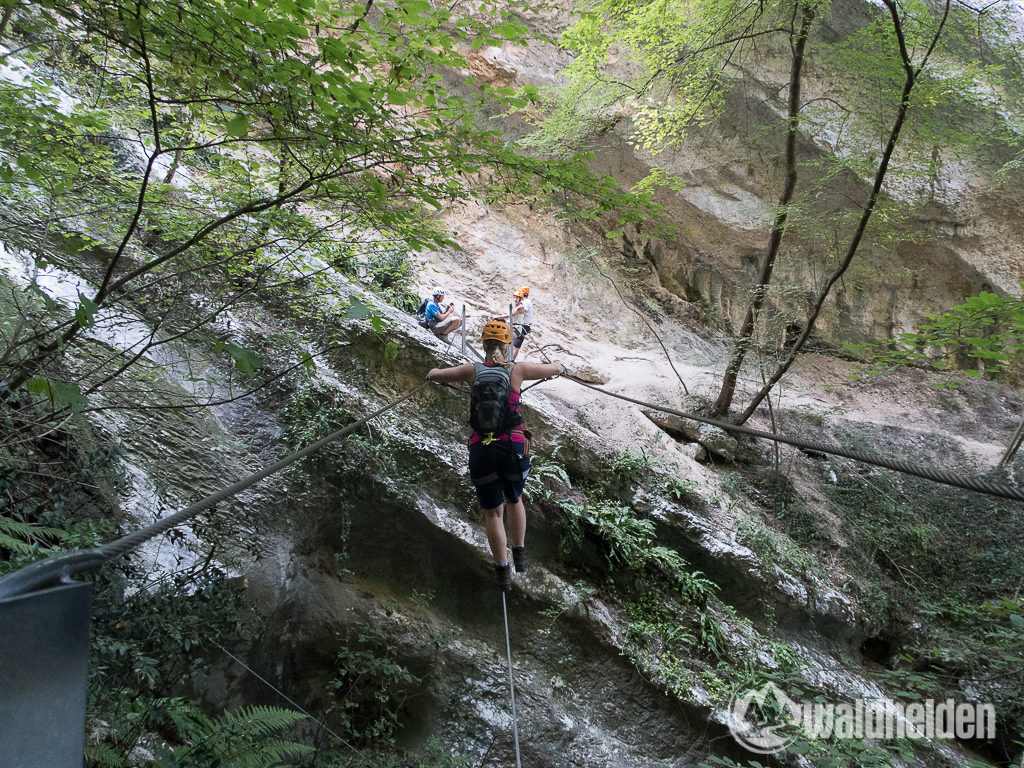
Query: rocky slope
x=621, y=656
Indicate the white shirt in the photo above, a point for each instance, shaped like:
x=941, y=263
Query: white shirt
x=527, y=315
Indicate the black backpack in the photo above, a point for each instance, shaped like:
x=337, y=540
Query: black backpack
x=421, y=315
x=489, y=409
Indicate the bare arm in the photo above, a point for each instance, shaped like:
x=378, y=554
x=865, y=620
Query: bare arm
x=463, y=373
x=528, y=371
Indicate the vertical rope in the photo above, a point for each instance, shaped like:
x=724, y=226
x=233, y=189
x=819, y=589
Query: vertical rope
x=511, y=687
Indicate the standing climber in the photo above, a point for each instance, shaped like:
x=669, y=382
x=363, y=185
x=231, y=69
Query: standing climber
x=498, y=450
x=522, y=317
x=522, y=311
x=439, y=320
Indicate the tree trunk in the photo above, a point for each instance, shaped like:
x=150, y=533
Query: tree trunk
x=174, y=166
x=5, y=19
x=1014, y=446
x=869, y=207
x=764, y=276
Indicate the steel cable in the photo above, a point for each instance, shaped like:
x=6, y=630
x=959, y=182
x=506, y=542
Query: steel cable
x=898, y=465
x=62, y=566
x=127, y=543
x=511, y=686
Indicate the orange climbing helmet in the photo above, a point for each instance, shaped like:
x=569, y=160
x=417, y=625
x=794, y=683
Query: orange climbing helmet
x=497, y=330
x=522, y=291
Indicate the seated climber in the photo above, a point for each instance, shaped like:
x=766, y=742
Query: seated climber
x=438, y=320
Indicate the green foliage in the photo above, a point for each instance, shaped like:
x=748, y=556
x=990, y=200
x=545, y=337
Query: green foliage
x=249, y=737
x=312, y=413
x=227, y=149
x=53, y=489
x=772, y=547
x=982, y=336
x=575, y=596
x=434, y=755
x=386, y=456
x=545, y=472
x=625, y=536
x=370, y=689
x=630, y=543
x=247, y=361
x=949, y=561
x=147, y=641
x=390, y=275
x=632, y=464
x=24, y=538
x=61, y=491
x=680, y=490
x=660, y=643
x=681, y=89
x=776, y=494
x=59, y=394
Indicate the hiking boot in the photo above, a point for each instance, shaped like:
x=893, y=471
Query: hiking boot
x=504, y=574
x=519, y=559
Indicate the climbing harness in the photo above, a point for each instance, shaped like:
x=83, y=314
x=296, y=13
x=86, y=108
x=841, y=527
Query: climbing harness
x=511, y=686
x=908, y=468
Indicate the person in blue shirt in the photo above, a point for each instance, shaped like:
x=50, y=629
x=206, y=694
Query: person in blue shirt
x=440, y=319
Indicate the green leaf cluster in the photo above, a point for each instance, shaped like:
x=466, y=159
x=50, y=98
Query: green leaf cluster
x=248, y=737
x=982, y=336
x=234, y=144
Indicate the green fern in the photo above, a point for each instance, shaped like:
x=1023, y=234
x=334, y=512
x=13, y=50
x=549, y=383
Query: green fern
x=249, y=737
x=242, y=739
x=545, y=469
x=104, y=756
x=23, y=538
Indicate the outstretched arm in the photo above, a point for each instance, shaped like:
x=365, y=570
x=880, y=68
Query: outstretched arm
x=529, y=371
x=463, y=373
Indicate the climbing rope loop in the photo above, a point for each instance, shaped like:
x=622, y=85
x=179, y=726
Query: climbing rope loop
x=942, y=476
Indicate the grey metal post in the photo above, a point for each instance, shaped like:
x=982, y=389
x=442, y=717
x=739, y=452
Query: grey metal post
x=463, y=329
x=44, y=661
x=44, y=667
x=508, y=358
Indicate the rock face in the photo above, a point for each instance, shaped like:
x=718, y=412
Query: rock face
x=664, y=576
x=961, y=232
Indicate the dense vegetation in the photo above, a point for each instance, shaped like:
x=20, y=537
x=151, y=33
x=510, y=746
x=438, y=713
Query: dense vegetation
x=187, y=166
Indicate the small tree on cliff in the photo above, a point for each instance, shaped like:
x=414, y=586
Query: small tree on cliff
x=686, y=56
x=224, y=146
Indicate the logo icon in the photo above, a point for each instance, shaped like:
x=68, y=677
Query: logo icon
x=756, y=716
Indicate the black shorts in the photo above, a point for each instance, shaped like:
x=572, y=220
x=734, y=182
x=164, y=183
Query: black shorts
x=520, y=333
x=498, y=472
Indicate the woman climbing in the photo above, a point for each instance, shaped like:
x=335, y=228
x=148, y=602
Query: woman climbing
x=498, y=460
